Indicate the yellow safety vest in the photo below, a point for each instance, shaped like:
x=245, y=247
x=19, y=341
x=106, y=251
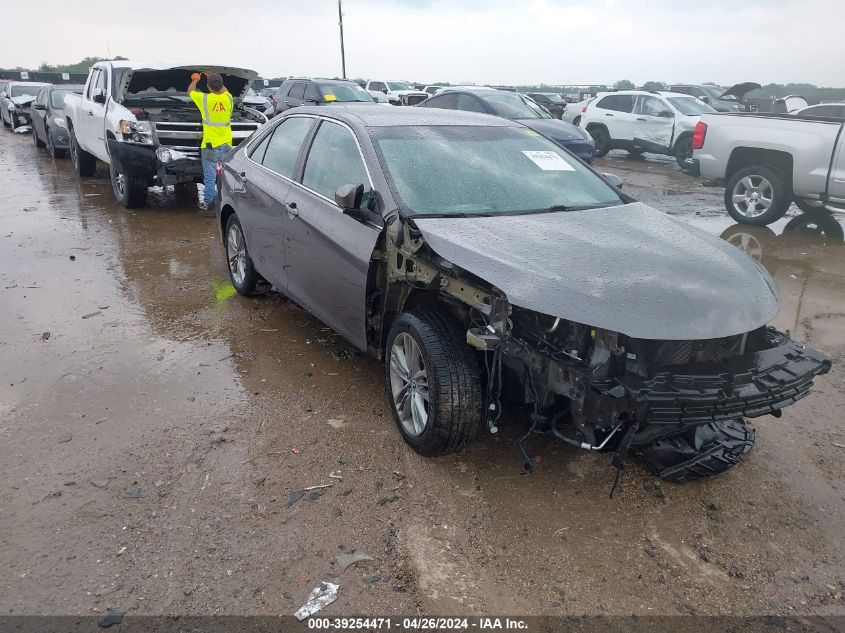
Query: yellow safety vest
x=216, y=111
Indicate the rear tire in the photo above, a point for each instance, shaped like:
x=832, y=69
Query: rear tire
x=757, y=195
x=13, y=121
x=602, y=140
x=683, y=150
x=51, y=147
x=129, y=191
x=84, y=163
x=437, y=379
x=242, y=273
x=700, y=452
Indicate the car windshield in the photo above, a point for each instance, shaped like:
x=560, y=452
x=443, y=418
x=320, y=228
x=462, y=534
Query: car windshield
x=554, y=98
x=19, y=90
x=457, y=171
x=690, y=105
x=345, y=92
x=716, y=92
x=399, y=85
x=513, y=106
x=57, y=97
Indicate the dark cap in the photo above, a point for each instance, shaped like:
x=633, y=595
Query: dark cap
x=214, y=80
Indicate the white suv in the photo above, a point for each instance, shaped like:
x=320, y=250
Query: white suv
x=644, y=121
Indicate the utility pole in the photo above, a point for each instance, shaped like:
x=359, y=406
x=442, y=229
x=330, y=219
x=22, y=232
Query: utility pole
x=342, y=51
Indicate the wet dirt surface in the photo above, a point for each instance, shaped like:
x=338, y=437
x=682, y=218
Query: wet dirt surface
x=159, y=435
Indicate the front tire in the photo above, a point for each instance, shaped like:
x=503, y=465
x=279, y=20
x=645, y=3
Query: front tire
x=242, y=273
x=433, y=382
x=129, y=191
x=51, y=147
x=602, y=140
x=38, y=142
x=757, y=195
x=700, y=452
x=84, y=164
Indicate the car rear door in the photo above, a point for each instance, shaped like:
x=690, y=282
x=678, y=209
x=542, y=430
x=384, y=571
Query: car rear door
x=836, y=180
x=296, y=96
x=652, y=132
x=39, y=116
x=327, y=253
x=260, y=188
x=616, y=113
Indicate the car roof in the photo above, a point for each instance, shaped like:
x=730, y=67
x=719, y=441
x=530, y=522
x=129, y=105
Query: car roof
x=365, y=115
x=662, y=93
x=68, y=86
x=29, y=83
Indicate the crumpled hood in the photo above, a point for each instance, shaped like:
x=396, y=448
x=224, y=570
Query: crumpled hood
x=630, y=269
x=741, y=89
x=22, y=100
x=555, y=129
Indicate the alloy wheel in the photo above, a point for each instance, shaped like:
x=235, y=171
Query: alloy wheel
x=236, y=254
x=409, y=384
x=119, y=185
x=752, y=196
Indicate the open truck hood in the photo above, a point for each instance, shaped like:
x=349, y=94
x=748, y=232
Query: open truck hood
x=740, y=90
x=630, y=269
x=172, y=80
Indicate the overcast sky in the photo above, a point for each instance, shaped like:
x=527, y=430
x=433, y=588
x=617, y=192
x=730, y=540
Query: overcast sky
x=493, y=41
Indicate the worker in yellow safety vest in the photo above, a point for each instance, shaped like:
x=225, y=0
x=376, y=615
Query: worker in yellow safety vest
x=215, y=107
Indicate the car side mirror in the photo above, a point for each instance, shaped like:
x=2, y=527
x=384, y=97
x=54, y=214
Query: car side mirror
x=666, y=114
x=614, y=180
x=705, y=99
x=312, y=100
x=348, y=197
x=384, y=90
x=39, y=106
x=99, y=98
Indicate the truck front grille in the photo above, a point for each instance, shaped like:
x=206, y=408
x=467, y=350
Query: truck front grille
x=189, y=135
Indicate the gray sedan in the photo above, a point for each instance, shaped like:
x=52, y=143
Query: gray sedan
x=486, y=266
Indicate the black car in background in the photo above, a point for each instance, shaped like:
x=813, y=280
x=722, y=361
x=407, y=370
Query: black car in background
x=297, y=92
x=516, y=107
x=49, y=128
x=552, y=101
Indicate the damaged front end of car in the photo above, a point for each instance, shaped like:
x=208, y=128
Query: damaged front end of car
x=677, y=403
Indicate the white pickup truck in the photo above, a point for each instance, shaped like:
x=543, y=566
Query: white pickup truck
x=395, y=92
x=138, y=118
x=768, y=161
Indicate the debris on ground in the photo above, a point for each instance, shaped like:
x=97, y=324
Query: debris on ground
x=134, y=492
x=345, y=561
x=296, y=496
x=319, y=598
x=45, y=336
x=65, y=436
x=110, y=619
x=337, y=423
x=92, y=314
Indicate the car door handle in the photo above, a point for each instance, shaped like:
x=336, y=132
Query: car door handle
x=292, y=210
x=641, y=119
x=607, y=114
x=90, y=113
x=242, y=177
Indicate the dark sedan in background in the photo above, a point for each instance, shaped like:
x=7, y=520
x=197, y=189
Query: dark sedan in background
x=297, y=92
x=516, y=107
x=552, y=101
x=49, y=128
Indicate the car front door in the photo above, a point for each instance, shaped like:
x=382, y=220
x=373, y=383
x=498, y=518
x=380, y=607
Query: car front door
x=654, y=124
x=836, y=182
x=296, y=96
x=93, y=117
x=39, y=115
x=261, y=188
x=327, y=252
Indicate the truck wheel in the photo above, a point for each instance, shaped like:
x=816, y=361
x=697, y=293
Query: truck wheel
x=757, y=195
x=129, y=191
x=433, y=382
x=703, y=451
x=683, y=150
x=602, y=139
x=244, y=277
x=84, y=163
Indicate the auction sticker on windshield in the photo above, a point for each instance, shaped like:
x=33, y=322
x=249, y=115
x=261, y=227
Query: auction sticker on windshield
x=548, y=161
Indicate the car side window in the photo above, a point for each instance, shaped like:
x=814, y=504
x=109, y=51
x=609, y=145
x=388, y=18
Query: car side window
x=311, y=93
x=377, y=85
x=257, y=152
x=447, y=102
x=470, y=104
x=298, y=91
x=334, y=160
x=650, y=106
x=617, y=103
x=283, y=148
x=95, y=75
x=100, y=88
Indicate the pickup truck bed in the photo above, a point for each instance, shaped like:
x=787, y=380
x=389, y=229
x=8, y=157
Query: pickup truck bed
x=768, y=161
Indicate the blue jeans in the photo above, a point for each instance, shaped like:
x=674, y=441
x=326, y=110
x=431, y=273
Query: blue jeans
x=210, y=157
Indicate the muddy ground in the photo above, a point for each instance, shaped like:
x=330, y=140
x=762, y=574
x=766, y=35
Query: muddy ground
x=157, y=432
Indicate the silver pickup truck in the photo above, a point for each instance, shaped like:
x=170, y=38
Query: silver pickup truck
x=137, y=118
x=768, y=161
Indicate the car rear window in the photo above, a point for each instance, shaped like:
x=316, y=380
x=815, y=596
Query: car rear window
x=479, y=170
x=618, y=103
